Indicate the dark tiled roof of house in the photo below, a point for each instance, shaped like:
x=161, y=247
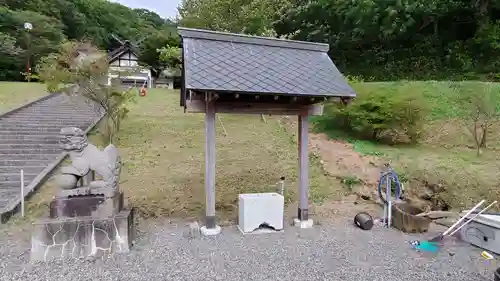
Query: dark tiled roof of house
x=116, y=53
x=224, y=62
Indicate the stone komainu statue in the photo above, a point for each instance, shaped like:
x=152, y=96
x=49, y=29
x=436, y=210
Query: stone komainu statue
x=99, y=222
x=85, y=158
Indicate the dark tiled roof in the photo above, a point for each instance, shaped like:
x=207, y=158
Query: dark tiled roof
x=224, y=62
x=116, y=53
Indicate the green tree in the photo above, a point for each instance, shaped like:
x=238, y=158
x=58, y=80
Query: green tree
x=171, y=56
x=8, y=45
x=10, y=57
x=79, y=68
x=240, y=16
x=395, y=39
x=481, y=105
x=88, y=20
x=43, y=39
x=150, y=50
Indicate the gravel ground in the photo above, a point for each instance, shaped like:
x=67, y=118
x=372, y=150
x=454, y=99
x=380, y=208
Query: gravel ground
x=328, y=252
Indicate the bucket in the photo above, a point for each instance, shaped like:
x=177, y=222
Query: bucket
x=404, y=218
x=364, y=221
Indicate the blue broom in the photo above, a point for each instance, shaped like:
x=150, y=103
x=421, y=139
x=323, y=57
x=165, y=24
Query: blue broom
x=432, y=244
x=425, y=246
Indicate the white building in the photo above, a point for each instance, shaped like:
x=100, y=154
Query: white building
x=124, y=66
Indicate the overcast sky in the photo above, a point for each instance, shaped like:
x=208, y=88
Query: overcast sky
x=164, y=8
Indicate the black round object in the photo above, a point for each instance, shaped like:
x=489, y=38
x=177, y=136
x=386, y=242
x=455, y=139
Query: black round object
x=497, y=274
x=364, y=221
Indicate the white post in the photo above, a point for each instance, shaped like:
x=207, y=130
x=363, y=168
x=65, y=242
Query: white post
x=22, y=193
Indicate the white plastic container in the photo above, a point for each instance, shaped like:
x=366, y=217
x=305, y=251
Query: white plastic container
x=257, y=209
x=483, y=232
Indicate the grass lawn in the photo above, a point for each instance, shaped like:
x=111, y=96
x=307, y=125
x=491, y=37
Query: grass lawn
x=445, y=155
x=163, y=150
x=15, y=94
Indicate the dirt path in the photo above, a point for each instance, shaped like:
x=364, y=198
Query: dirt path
x=341, y=161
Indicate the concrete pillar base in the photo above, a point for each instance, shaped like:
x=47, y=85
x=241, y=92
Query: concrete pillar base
x=303, y=224
x=210, y=231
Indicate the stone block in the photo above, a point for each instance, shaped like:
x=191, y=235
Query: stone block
x=85, y=201
x=82, y=237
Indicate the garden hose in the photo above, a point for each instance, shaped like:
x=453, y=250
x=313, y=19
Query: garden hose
x=397, y=185
x=388, y=178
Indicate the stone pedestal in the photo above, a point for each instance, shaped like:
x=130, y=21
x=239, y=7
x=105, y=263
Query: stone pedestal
x=86, y=201
x=82, y=237
x=84, y=223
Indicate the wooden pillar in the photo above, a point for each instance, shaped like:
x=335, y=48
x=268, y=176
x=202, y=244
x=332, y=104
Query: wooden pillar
x=303, y=211
x=210, y=165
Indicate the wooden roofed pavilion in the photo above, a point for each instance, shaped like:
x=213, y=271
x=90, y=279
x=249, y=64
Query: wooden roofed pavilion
x=232, y=73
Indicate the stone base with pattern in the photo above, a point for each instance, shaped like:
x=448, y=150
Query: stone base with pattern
x=82, y=237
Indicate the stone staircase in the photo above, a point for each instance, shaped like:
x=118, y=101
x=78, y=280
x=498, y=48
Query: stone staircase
x=29, y=141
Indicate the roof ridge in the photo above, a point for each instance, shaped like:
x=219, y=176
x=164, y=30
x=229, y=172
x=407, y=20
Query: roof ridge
x=121, y=50
x=249, y=39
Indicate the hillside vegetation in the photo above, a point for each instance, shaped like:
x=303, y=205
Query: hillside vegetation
x=378, y=40
x=441, y=165
x=97, y=21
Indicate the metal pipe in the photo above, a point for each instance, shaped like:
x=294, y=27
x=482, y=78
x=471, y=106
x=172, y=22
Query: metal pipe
x=282, y=186
x=389, y=177
x=388, y=196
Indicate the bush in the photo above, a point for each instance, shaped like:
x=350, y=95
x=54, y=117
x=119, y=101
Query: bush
x=391, y=115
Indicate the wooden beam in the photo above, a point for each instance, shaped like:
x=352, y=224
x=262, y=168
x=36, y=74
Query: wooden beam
x=210, y=166
x=303, y=210
x=199, y=106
